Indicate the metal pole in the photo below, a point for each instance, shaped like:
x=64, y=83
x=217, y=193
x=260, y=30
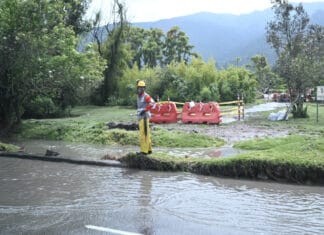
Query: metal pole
x=316, y=105
x=238, y=108
x=317, y=111
x=243, y=107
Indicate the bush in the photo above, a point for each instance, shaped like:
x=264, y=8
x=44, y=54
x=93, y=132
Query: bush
x=205, y=94
x=299, y=112
x=41, y=107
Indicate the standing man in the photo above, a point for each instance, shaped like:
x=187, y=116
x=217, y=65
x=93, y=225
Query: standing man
x=144, y=105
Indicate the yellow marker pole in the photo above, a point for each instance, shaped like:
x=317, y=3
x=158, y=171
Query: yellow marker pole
x=238, y=108
x=243, y=111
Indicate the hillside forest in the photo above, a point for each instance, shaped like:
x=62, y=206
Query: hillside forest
x=44, y=73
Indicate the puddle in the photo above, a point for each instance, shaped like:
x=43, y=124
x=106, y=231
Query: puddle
x=96, y=152
x=202, y=152
x=266, y=107
x=257, y=108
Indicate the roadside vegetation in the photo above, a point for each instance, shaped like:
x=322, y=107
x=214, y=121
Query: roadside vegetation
x=8, y=147
x=89, y=125
x=49, y=64
x=52, y=84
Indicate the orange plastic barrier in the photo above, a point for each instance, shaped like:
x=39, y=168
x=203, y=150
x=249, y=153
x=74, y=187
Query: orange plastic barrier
x=164, y=113
x=201, y=113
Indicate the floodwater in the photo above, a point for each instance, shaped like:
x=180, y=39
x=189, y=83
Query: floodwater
x=258, y=108
x=39, y=197
x=266, y=107
x=57, y=198
x=96, y=151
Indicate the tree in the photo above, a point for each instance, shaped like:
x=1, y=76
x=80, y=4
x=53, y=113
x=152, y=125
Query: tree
x=136, y=38
x=114, y=51
x=177, y=47
x=262, y=71
x=315, y=54
x=38, y=58
x=75, y=10
x=153, y=48
x=293, y=40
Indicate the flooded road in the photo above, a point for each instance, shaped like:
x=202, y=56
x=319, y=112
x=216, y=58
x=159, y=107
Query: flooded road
x=96, y=151
x=39, y=197
x=57, y=198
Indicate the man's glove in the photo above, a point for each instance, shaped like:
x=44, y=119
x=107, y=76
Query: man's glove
x=141, y=112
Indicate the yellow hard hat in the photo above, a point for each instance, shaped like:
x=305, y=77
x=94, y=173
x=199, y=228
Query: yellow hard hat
x=141, y=84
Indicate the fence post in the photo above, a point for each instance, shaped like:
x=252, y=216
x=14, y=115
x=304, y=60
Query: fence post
x=243, y=111
x=238, y=108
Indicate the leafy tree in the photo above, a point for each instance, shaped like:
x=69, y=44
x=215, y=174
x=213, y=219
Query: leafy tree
x=235, y=82
x=177, y=47
x=38, y=59
x=115, y=52
x=267, y=79
x=136, y=38
x=314, y=53
x=153, y=48
x=293, y=40
x=75, y=10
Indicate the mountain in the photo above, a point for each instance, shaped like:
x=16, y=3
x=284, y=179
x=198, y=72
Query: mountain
x=226, y=37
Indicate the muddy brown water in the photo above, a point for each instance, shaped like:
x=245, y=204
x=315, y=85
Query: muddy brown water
x=96, y=151
x=39, y=197
x=56, y=198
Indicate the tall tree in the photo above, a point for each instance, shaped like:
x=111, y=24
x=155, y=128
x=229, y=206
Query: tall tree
x=153, y=47
x=38, y=58
x=262, y=71
x=113, y=50
x=75, y=11
x=314, y=43
x=289, y=35
x=136, y=38
x=177, y=47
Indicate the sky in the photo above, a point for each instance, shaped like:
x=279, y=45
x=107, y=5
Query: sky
x=153, y=10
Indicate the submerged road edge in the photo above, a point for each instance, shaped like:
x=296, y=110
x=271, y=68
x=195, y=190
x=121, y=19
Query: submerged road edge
x=28, y=156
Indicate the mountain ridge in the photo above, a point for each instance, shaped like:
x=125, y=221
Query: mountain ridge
x=226, y=37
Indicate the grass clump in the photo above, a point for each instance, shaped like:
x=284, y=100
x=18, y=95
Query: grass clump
x=8, y=147
x=304, y=165
x=162, y=137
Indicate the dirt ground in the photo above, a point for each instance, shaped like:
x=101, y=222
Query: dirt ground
x=236, y=131
x=231, y=130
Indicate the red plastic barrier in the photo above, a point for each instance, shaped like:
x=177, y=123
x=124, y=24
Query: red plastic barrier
x=201, y=113
x=164, y=113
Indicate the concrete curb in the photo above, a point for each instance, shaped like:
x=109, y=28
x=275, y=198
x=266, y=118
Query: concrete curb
x=23, y=155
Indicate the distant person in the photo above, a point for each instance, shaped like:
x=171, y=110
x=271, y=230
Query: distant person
x=144, y=105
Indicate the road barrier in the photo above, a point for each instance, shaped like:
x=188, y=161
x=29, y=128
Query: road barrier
x=209, y=113
x=164, y=113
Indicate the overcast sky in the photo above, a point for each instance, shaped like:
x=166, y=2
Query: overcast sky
x=153, y=10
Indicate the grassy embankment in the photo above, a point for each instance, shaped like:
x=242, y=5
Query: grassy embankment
x=296, y=158
x=89, y=125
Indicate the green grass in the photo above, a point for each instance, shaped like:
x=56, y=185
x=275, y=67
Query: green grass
x=303, y=149
x=8, y=147
x=88, y=125
x=304, y=145
x=162, y=137
x=307, y=125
